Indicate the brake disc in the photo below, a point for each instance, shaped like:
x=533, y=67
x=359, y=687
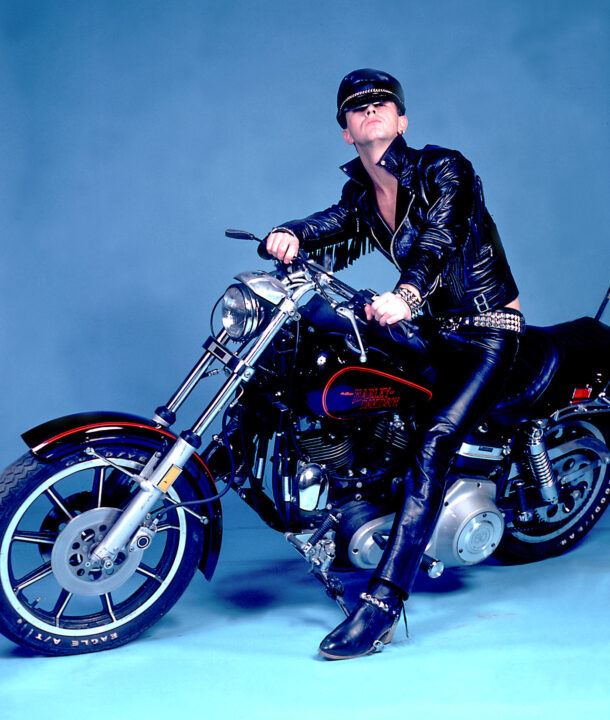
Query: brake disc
x=70, y=557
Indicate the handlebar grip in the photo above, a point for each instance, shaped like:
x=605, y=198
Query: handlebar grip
x=240, y=235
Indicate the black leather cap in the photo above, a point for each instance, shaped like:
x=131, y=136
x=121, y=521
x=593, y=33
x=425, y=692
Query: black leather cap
x=363, y=87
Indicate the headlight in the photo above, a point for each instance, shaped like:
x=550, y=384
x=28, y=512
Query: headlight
x=241, y=312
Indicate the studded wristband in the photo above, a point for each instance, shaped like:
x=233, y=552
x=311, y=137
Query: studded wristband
x=415, y=305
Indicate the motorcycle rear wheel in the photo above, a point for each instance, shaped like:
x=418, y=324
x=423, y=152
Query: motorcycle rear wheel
x=586, y=494
x=51, y=514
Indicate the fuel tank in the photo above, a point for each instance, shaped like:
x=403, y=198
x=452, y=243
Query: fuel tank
x=336, y=384
x=354, y=390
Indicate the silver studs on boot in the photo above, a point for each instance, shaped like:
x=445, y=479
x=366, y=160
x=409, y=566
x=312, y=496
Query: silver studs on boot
x=372, y=600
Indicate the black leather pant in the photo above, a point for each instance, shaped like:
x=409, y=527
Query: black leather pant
x=471, y=365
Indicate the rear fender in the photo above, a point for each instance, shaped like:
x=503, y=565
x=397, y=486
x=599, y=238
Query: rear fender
x=594, y=411
x=49, y=440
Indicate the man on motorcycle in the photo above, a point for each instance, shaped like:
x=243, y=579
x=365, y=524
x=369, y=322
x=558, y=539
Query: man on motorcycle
x=424, y=210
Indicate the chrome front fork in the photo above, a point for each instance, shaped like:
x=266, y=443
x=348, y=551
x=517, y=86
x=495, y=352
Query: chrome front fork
x=151, y=489
x=157, y=481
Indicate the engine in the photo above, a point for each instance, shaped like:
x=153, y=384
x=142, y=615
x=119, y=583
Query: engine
x=385, y=439
x=331, y=449
x=354, y=462
x=348, y=464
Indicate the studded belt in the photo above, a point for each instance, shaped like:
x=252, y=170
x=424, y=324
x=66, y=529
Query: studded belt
x=498, y=319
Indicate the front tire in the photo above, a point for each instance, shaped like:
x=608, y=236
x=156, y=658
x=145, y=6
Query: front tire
x=51, y=514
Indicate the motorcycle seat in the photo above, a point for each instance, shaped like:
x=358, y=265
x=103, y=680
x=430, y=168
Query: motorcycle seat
x=537, y=362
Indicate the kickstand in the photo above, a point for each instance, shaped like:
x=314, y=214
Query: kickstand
x=334, y=589
x=341, y=603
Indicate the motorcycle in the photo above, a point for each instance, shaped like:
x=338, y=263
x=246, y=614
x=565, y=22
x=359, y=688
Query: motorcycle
x=106, y=518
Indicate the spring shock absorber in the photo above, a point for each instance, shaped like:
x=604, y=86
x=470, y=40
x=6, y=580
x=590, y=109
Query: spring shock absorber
x=540, y=464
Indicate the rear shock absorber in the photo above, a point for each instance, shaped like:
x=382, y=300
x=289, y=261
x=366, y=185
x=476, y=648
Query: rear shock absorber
x=540, y=464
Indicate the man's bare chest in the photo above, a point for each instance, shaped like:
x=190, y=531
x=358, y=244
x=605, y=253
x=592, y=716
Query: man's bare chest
x=386, y=204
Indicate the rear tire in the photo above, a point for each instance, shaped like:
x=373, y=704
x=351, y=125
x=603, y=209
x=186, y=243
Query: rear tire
x=51, y=514
x=579, y=451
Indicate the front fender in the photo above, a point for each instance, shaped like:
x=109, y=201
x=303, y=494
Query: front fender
x=44, y=440
x=49, y=439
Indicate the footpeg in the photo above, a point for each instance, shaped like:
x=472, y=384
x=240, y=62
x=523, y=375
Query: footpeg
x=432, y=567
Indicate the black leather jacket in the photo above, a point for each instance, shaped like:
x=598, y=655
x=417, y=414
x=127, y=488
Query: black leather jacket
x=446, y=244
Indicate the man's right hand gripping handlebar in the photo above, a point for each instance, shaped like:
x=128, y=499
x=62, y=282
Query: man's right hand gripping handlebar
x=391, y=307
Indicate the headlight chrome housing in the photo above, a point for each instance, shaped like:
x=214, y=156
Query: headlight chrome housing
x=241, y=312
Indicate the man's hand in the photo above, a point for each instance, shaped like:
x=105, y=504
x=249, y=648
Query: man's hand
x=282, y=245
x=389, y=308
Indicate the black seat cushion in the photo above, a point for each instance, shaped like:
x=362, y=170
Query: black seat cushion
x=537, y=361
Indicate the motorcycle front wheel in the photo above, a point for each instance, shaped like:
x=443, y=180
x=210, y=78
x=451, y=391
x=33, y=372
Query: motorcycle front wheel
x=52, y=513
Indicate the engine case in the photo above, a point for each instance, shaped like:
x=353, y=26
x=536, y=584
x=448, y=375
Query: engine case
x=468, y=530
x=470, y=526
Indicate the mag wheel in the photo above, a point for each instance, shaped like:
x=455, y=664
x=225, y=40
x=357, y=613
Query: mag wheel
x=580, y=460
x=51, y=514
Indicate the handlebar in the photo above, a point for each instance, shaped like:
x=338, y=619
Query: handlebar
x=356, y=299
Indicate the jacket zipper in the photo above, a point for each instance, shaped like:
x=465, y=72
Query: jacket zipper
x=437, y=280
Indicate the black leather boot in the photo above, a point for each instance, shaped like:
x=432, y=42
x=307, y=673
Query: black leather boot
x=368, y=627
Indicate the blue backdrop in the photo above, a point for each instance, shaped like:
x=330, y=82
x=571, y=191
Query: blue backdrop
x=133, y=133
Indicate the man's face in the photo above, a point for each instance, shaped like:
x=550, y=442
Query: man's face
x=377, y=122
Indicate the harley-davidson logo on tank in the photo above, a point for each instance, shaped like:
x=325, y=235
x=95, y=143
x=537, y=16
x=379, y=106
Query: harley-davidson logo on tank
x=356, y=391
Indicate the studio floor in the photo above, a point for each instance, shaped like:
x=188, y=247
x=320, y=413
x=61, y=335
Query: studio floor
x=494, y=641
